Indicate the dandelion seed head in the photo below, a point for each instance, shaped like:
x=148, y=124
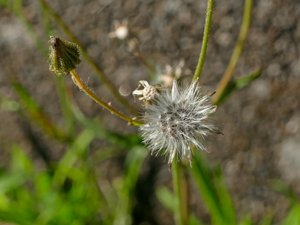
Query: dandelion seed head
x=177, y=120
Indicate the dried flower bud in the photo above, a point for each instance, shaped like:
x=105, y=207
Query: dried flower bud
x=63, y=55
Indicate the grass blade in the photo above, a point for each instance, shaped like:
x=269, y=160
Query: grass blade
x=204, y=180
x=37, y=115
x=133, y=164
x=237, y=50
x=166, y=198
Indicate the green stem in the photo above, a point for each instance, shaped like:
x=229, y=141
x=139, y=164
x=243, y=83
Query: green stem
x=185, y=194
x=209, y=10
x=236, y=53
x=81, y=85
x=178, y=212
x=88, y=58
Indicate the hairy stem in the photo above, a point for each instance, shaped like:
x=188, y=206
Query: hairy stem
x=237, y=51
x=178, y=209
x=209, y=10
x=88, y=58
x=81, y=85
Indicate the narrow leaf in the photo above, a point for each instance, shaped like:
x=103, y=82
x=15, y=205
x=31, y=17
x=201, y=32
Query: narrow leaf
x=37, y=115
x=203, y=179
x=237, y=84
x=133, y=164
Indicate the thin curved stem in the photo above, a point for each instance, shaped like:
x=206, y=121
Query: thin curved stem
x=178, y=210
x=81, y=85
x=209, y=10
x=236, y=53
x=88, y=58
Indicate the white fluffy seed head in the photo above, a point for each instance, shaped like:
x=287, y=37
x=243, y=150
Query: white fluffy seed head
x=178, y=120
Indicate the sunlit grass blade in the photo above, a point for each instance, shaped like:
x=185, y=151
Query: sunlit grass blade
x=204, y=180
x=236, y=84
x=11, y=180
x=20, y=161
x=73, y=177
x=78, y=150
x=237, y=50
x=126, y=186
x=166, y=198
x=12, y=186
x=267, y=220
x=37, y=115
x=293, y=217
x=224, y=195
x=281, y=187
x=246, y=220
x=103, y=154
x=9, y=105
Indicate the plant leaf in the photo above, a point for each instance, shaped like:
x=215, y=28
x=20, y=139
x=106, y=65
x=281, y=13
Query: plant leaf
x=237, y=84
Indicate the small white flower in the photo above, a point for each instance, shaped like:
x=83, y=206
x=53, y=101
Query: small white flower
x=121, y=30
x=177, y=120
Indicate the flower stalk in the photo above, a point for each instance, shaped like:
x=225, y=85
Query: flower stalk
x=209, y=10
x=77, y=81
x=236, y=53
x=97, y=69
x=178, y=209
x=63, y=59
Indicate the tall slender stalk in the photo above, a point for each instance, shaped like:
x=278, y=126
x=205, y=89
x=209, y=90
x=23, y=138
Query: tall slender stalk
x=185, y=194
x=209, y=10
x=237, y=51
x=71, y=36
x=81, y=85
x=178, y=209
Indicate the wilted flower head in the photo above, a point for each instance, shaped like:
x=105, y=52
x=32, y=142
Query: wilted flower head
x=63, y=55
x=178, y=120
x=148, y=93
